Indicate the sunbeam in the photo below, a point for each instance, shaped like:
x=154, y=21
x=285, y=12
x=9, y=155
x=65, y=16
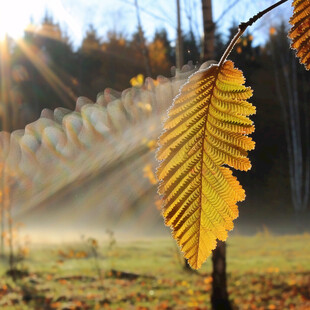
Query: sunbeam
x=51, y=78
x=84, y=169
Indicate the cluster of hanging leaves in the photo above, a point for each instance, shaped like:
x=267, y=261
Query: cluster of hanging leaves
x=206, y=131
x=300, y=32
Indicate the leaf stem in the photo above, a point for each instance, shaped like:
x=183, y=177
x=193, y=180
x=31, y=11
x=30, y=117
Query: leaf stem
x=231, y=46
x=243, y=26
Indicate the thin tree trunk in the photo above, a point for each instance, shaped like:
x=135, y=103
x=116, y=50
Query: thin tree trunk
x=187, y=266
x=219, y=298
x=2, y=211
x=307, y=155
x=299, y=167
x=11, y=250
x=208, y=28
x=285, y=115
x=8, y=208
x=179, y=45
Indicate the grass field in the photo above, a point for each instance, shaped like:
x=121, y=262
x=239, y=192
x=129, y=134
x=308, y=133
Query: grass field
x=264, y=272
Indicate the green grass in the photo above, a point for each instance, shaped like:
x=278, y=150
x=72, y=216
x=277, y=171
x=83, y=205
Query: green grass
x=264, y=272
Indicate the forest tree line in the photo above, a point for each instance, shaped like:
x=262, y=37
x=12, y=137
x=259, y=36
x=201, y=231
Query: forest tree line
x=44, y=71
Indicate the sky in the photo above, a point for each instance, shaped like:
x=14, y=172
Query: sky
x=75, y=16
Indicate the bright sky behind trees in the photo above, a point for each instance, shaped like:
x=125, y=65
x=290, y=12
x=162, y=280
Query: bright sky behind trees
x=75, y=16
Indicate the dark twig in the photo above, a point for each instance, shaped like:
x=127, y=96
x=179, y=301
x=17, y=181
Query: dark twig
x=253, y=19
x=243, y=26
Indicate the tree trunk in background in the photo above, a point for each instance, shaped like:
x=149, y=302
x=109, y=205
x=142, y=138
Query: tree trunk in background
x=179, y=63
x=298, y=151
x=208, y=28
x=219, y=297
x=179, y=43
x=187, y=266
x=2, y=212
x=5, y=119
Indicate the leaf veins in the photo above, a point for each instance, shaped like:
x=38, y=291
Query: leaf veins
x=206, y=130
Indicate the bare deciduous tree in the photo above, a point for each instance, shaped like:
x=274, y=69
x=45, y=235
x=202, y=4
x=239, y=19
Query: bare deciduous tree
x=208, y=28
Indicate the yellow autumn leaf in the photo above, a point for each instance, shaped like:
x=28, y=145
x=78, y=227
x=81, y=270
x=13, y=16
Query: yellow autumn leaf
x=300, y=32
x=137, y=81
x=151, y=144
x=148, y=173
x=206, y=131
x=272, y=31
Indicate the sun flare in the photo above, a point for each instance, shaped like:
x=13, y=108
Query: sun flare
x=14, y=17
